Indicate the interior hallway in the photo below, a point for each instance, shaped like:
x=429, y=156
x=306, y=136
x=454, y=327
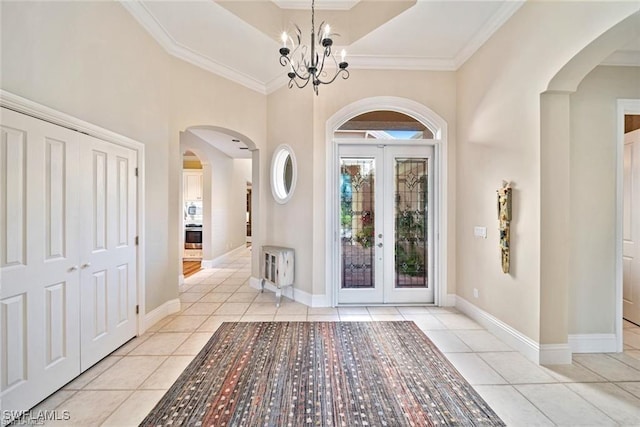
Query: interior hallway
x=598, y=389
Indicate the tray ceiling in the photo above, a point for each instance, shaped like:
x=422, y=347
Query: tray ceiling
x=239, y=39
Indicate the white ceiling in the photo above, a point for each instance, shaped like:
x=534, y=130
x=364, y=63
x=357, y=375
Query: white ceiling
x=429, y=35
x=223, y=142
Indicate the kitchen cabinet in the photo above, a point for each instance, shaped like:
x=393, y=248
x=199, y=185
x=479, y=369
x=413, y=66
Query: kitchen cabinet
x=192, y=185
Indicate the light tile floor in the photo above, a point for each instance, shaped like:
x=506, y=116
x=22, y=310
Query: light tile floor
x=597, y=389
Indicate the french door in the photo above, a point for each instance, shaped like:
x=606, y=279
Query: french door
x=385, y=200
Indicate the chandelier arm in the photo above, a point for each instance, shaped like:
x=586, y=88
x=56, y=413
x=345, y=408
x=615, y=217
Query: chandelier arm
x=343, y=71
x=306, y=82
x=321, y=67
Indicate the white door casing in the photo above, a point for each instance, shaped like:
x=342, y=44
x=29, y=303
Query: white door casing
x=631, y=227
x=51, y=205
x=438, y=127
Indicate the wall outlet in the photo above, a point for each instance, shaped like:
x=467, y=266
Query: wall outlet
x=476, y=294
x=480, y=232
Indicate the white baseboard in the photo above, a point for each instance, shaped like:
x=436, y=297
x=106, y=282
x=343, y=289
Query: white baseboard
x=159, y=313
x=593, y=343
x=450, y=300
x=210, y=263
x=555, y=354
x=292, y=293
x=545, y=354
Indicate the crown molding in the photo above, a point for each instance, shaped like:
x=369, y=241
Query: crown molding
x=623, y=58
x=366, y=62
x=146, y=19
x=324, y=5
x=497, y=20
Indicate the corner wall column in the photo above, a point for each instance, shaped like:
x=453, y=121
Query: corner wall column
x=207, y=215
x=555, y=207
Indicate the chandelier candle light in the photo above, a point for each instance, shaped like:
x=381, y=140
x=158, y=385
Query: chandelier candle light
x=304, y=70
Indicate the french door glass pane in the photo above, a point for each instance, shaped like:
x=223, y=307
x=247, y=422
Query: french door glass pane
x=357, y=219
x=411, y=222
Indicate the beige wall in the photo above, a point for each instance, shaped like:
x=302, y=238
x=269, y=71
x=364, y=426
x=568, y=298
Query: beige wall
x=594, y=142
x=498, y=101
x=298, y=117
x=290, y=121
x=93, y=61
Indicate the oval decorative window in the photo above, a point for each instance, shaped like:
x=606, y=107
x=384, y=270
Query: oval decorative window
x=283, y=173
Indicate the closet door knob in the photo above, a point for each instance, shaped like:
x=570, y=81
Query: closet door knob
x=86, y=264
x=73, y=268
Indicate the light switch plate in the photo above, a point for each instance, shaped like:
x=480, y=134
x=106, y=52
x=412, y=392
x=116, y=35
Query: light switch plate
x=480, y=232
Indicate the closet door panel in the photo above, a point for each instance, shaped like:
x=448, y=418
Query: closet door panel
x=39, y=297
x=108, y=262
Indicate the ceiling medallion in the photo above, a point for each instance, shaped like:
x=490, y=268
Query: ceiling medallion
x=305, y=69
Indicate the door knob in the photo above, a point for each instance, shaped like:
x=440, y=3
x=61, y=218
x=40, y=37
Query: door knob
x=86, y=264
x=73, y=268
x=380, y=235
x=379, y=245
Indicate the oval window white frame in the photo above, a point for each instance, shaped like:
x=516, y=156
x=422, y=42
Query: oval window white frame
x=278, y=162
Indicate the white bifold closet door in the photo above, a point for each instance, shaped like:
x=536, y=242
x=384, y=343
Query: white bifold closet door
x=67, y=255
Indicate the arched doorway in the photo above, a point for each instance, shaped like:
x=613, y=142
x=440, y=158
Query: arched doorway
x=230, y=163
x=386, y=210
x=568, y=301
x=192, y=197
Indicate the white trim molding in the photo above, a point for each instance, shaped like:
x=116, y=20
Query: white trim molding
x=624, y=106
x=497, y=20
x=159, y=313
x=42, y=112
x=296, y=295
x=146, y=19
x=593, y=343
x=548, y=354
x=438, y=126
x=163, y=37
x=554, y=354
x=210, y=263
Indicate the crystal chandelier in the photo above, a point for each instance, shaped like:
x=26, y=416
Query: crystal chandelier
x=305, y=69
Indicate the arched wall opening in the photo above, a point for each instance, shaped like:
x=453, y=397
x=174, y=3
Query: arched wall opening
x=230, y=162
x=437, y=135
x=562, y=329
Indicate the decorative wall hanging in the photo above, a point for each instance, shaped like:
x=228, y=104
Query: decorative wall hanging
x=504, y=219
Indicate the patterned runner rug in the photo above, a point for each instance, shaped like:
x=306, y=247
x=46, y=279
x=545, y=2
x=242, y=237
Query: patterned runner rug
x=320, y=374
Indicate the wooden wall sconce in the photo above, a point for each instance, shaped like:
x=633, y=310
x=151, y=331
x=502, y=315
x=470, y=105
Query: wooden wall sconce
x=504, y=218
